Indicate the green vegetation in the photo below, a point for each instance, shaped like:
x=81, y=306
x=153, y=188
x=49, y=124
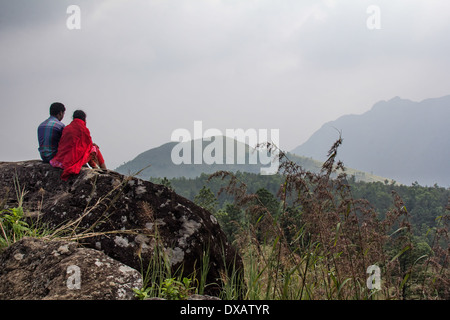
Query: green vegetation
x=13, y=223
x=307, y=235
x=12, y=226
x=424, y=204
x=302, y=235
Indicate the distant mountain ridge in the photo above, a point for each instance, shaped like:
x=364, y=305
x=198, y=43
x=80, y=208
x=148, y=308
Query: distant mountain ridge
x=401, y=139
x=157, y=163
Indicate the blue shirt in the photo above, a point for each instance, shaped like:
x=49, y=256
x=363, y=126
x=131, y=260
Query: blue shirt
x=49, y=133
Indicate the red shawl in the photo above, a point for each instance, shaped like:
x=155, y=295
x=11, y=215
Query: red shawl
x=74, y=148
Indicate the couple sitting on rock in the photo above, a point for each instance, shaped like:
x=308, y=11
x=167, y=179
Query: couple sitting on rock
x=68, y=147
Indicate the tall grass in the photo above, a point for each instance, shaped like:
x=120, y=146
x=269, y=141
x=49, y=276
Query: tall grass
x=322, y=241
x=318, y=245
x=14, y=225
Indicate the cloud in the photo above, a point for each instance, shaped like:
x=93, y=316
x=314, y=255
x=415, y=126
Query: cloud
x=142, y=68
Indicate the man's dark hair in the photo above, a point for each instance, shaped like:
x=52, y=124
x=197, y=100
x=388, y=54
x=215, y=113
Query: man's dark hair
x=56, y=108
x=79, y=114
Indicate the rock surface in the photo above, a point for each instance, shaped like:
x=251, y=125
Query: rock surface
x=124, y=217
x=33, y=269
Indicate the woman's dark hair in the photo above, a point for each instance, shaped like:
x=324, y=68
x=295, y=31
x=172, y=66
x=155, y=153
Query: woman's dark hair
x=56, y=108
x=79, y=114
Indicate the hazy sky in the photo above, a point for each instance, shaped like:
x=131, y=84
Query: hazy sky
x=143, y=68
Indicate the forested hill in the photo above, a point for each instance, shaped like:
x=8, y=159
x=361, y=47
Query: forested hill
x=157, y=162
x=400, y=139
x=424, y=204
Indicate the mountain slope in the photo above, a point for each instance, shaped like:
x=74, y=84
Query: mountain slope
x=401, y=139
x=158, y=162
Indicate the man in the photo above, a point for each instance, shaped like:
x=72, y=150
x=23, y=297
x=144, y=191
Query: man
x=49, y=132
x=76, y=148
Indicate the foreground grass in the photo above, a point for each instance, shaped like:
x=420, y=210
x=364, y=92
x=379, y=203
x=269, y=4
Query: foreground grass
x=324, y=244
x=320, y=245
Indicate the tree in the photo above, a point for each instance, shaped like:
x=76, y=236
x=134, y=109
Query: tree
x=166, y=182
x=269, y=201
x=206, y=199
x=231, y=220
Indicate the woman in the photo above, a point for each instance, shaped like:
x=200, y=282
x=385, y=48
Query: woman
x=76, y=148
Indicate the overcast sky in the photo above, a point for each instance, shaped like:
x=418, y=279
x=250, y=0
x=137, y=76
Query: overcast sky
x=142, y=68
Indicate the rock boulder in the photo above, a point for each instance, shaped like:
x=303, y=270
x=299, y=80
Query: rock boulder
x=122, y=216
x=33, y=269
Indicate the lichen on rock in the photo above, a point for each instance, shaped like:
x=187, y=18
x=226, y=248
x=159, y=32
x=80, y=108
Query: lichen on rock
x=34, y=269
